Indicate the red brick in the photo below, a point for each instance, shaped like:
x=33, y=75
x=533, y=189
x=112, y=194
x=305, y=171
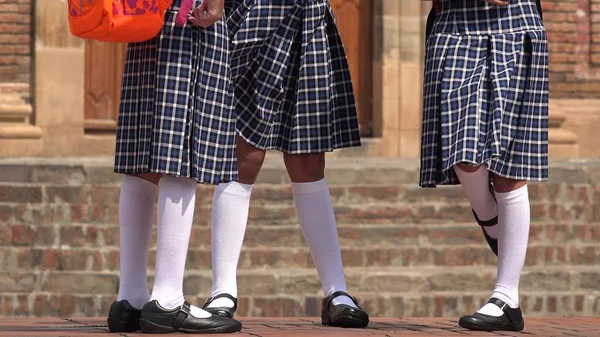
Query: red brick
x=20, y=194
x=6, y=213
x=67, y=194
x=6, y=304
x=51, y=259
x=23, y=235
x=387, y=193
x=111, y=260
x=21, y=305
x=78, y=236
x=5, y=235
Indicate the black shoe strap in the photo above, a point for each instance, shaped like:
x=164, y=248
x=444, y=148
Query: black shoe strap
x=327, y=301
x=222, y=295
x=511, y=313
x=182, y=315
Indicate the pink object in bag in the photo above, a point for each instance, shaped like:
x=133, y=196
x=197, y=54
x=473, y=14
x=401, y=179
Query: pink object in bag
x=184, y=11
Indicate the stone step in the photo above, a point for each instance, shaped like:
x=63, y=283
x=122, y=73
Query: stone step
x=13, y=99
x=340, y=171
x=12, y=88
x=66, y=257
x=272, y=205
x=388, y=304
x=372, y=236
x=465, y=279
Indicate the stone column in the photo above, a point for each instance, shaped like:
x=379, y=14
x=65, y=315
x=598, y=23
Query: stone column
x=59, y=80
x=18, y=134
x=397, y=77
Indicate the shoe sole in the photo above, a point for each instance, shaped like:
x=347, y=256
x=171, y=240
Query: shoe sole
x=479, y=326
x=346, y=322
x=117, y=325
x=150, y=327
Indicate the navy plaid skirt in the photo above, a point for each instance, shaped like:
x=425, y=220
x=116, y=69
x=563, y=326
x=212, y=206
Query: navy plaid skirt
x=176, y=115
x=292, y=82
x=485, y=92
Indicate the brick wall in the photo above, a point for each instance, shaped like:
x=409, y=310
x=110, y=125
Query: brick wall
x=408, y=251
x=15, y=40
x=574, y=31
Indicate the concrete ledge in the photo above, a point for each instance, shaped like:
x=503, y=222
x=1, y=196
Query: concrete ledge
x=340, y=170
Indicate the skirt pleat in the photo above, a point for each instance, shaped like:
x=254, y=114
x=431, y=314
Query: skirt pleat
x=485, y=94
x=176, y=114
x=292, y=82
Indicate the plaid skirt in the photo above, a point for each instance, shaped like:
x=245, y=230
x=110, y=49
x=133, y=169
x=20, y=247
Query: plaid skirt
x=293, y=91
x=485, y=92
x=176, y=115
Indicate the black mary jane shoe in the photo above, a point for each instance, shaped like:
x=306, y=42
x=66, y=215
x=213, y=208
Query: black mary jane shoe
x=123, y=317
x=342, y=315
x=221, y=311
x=511, y=320
x=156, y=319
x=493, y=243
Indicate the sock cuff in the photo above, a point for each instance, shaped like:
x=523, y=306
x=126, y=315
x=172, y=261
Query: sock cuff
x=139, y=186
x=309, y=188
x=515, y=196
x=235, y=188
x=503, y=292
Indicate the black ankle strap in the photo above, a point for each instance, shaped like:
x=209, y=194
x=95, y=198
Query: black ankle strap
x=513, y=314
x=487, y=223
x=183, y=313
x=327, y=300
x=223, y=295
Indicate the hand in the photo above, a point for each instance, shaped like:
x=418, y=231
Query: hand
x=209, y=12
x=497, y=2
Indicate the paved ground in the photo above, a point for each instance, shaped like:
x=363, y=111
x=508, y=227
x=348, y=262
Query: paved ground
x=257, y=327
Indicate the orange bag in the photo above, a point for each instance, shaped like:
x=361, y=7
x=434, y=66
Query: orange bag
x=119, y=20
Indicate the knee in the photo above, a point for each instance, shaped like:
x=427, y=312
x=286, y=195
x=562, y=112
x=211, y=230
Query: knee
x=249, y=167
x=303, y=168
x=250, y=161
x=151, y=177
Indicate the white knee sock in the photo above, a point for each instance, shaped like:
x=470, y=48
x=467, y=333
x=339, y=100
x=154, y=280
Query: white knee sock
x=315, y=214
x=513, y=221
x=476, y=188
x=176, y=202
x=231, y=203
x=136, y=208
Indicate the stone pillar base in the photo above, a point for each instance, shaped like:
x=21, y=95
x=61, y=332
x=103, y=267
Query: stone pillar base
x=17, y=136
x=20, y=147
x=562, y=143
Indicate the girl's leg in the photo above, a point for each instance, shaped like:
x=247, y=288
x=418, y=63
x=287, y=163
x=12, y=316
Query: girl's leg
x=475, y=183
x=513, y=235
x=231, y=203
x=512, y=231
x=176, y=202
x=315, y=214
x=502, y=312
x=167, y=310
x=136, y=208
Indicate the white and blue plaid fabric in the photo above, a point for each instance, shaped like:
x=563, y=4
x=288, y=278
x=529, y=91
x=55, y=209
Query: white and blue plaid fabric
x=293, y=91
x=485, y=92
x=176, y=115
